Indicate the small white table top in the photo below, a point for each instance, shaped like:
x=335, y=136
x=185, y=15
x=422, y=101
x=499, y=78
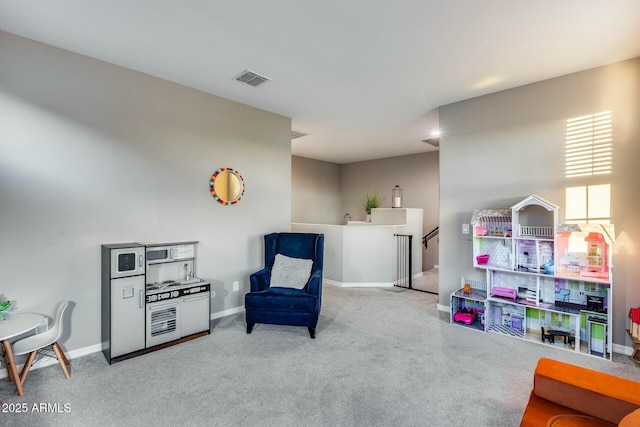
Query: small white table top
x=18, y=323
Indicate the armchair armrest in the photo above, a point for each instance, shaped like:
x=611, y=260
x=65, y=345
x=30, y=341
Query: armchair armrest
x=260, y=280
x=315, y=286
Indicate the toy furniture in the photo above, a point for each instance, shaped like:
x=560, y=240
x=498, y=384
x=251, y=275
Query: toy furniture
x=562, y=295
x=546, y=336
x=466, y=289
x=283, y=292
x=498, y=291
x=569, y=395
x=566, y=336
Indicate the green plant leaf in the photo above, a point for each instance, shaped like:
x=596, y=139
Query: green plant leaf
x=372, y=200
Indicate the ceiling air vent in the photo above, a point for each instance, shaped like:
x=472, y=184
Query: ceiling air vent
x=251, y=78
x=433, y=141
x=297, y=134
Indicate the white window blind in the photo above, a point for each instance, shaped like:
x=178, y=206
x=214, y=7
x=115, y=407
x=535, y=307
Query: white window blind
x=589, y=145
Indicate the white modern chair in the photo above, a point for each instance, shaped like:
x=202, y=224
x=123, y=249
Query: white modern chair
x=44, y=344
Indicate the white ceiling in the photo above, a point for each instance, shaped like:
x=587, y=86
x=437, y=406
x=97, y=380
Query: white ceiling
x=363, y=78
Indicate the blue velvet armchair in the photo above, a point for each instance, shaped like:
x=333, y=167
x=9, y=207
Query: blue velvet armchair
x=283, y=305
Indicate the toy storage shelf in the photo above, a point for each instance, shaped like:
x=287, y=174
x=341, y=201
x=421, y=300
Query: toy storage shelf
x=545, y=282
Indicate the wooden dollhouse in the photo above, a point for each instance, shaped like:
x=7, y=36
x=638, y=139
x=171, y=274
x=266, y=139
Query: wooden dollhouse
x=541, y=275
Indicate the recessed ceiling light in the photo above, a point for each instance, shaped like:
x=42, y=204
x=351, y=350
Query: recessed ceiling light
x=251, y=78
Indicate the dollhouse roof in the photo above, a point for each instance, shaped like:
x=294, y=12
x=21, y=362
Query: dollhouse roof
x=503, y=214
x=535, y=200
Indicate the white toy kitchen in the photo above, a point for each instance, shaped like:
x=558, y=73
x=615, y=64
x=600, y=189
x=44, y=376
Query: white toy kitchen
x=152, y=298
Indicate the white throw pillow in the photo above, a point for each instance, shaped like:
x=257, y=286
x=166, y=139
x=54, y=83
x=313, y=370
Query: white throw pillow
x=290, y=272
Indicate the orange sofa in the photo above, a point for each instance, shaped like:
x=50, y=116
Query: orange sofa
x=566, y=395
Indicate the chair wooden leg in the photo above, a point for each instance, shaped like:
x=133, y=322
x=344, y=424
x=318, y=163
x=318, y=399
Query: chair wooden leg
x=61, y=360
x=27, y=366
x=312, y=333
x=250, y=327
x=64, y=357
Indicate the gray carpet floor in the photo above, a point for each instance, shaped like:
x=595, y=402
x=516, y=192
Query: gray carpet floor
x=428, y=282
x=381, y=358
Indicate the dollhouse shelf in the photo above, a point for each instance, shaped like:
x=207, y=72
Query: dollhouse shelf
x=540, y=274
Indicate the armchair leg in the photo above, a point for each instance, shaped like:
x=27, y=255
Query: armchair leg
x=312, y=333
x=250, y=327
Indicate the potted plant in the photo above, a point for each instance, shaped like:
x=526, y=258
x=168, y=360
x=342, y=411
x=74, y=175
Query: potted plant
x=371, y=200
x=4, y=307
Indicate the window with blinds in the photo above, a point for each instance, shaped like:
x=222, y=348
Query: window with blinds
x=589, y=145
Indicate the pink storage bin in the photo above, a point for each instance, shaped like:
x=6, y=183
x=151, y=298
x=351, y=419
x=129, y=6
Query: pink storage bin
x=482, y=259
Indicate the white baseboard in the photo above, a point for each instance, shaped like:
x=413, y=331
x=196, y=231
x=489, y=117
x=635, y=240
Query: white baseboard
x=228, y=312
x=366, y=284
x=358, y=284
x=622, y=349
x=445, y=308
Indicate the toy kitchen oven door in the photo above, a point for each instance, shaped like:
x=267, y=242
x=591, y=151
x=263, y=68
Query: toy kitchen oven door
x=175, y=311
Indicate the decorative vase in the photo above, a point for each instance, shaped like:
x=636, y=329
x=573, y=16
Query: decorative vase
x=368, y=217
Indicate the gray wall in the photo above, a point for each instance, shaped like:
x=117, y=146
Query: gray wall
x=416, y=174
x=498, y=149
x=92, y=153
x=315, y=191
